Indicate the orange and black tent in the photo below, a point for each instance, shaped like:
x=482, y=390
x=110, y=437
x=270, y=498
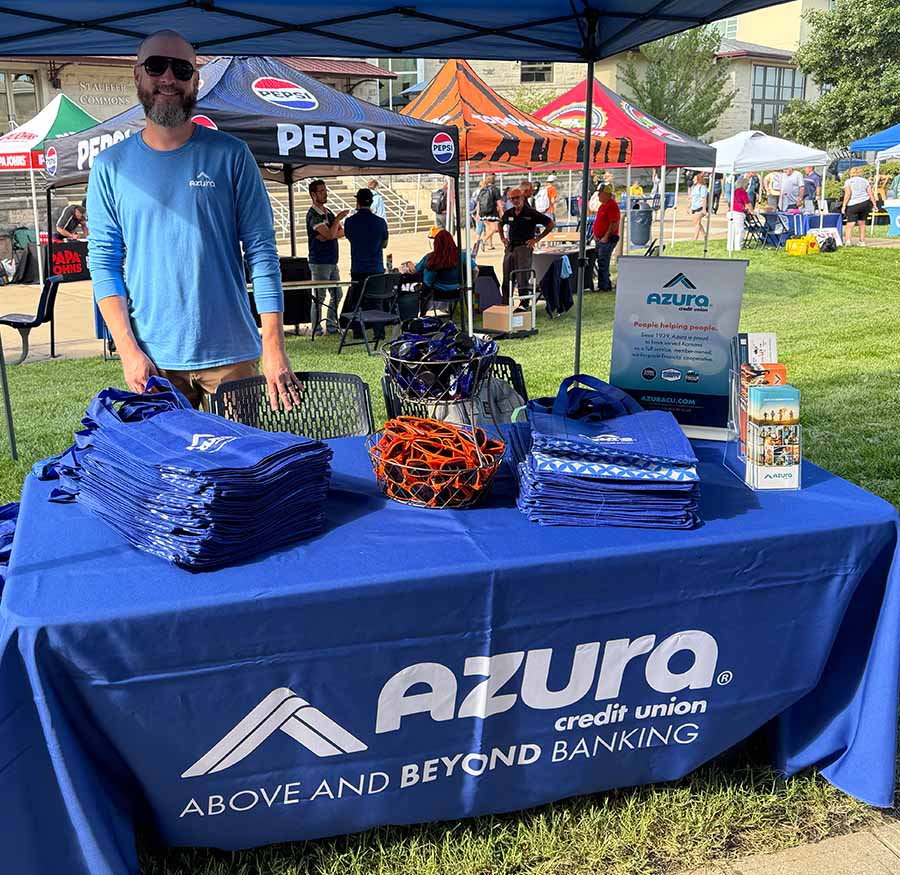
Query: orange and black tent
x=494, y=135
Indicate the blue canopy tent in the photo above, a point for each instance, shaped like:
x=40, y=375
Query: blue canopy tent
x=539, y=30
x=877, y=142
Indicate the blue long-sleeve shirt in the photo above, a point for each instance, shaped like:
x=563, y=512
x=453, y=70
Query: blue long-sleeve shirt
x=181, y=217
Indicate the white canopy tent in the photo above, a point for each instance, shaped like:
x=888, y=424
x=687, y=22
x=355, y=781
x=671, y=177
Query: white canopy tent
x=892, y=154
x=754, y=151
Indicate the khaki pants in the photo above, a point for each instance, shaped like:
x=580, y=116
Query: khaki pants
x=196, y=385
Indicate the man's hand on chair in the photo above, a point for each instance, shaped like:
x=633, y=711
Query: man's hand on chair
x=281, y=382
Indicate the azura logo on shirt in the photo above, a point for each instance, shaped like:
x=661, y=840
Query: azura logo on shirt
x=202, y=180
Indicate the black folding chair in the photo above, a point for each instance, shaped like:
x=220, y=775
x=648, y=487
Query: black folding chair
x=434, y=298
x=754, y=232
x=24, y=323
x=505, y=368
x=376, y=307
x=331, y=406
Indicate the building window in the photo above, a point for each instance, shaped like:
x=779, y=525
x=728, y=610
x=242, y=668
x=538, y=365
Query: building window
x=536, y=71
x=389, y=90
x=728, y=27
x=773, y=87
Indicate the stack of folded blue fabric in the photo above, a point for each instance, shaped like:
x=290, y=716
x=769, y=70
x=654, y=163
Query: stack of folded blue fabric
x=594, y=458
x=190, y=487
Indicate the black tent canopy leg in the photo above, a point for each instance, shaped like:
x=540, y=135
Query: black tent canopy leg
x=4, y=385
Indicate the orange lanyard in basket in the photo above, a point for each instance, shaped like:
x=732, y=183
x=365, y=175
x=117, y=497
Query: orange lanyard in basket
x=427, y=460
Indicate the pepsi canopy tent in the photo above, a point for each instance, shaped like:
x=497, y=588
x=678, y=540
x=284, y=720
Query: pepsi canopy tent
x=653, y=143
x=287, y=119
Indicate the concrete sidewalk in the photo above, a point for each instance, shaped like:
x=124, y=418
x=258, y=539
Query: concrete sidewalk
x=874, y=851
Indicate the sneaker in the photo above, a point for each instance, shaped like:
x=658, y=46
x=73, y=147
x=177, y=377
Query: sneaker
x=862, y=243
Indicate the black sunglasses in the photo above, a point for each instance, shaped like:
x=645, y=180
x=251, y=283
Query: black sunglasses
x=156, y=65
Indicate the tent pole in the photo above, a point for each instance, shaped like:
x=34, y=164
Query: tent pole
x=729, y=240
x=470, y=295
x=675, y=208
x=628, y=207
x=418, y=193
x=662, y=210
x=823, y=204
x=585, y=197
x=34, y=213
x=289, y=179
x=709, y=198
x=10, y=429
x=50, y=267
x=875, y=192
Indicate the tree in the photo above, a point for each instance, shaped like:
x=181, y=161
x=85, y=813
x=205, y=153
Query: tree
x=854, y=52
x=678, y=80
x=529, y=98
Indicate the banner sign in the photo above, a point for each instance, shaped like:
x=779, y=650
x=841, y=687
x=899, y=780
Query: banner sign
x=70, y=261
x=674, y=321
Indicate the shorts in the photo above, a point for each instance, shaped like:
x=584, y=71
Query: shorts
x=196, y=385
x=697, y=209
x=858, y=212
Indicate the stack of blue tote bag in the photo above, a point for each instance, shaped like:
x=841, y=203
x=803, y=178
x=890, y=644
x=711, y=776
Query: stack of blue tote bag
x=593, y=457
x=193, y=488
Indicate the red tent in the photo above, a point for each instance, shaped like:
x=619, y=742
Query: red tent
x=652, y=143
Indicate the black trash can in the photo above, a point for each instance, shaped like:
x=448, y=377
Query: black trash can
x=641, y=221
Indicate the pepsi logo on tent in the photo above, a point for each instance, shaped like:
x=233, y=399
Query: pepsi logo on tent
x=284, y=93
x=205, y=121
x=442, y=148
x=51, y=161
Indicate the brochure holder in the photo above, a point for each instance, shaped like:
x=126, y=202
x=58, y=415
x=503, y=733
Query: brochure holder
x=771, y=457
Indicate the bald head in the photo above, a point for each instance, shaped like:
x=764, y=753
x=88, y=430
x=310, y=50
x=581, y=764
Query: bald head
x=167, y=43
x=167, y=100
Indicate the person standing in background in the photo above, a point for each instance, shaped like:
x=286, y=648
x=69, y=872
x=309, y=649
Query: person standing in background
x=521, y=238
x=323, y=229
x=699, y=194
x=753, y=186
x=606, y=235
x=812, y=185
x=488, y=209
x=552, y=196
x=791, y=189
x=740, y=206
x=859, y=201
x=772, y=185
x=439, y=206
x=368, y=238
x=377, y=200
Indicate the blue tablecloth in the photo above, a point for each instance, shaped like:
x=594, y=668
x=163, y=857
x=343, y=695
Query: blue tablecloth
x=893, y=220
x=813, y=221
x=412, y=665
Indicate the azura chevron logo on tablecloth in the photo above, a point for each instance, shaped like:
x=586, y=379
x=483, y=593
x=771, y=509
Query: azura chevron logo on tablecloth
x=282, y=710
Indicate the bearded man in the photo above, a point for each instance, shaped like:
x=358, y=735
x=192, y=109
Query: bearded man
x=182, y=200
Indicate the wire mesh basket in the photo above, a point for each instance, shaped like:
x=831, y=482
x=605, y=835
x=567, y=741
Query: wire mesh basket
x=439, y=381
x=448, y=466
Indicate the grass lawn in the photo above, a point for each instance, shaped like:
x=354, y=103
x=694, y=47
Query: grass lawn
x=837, y=319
